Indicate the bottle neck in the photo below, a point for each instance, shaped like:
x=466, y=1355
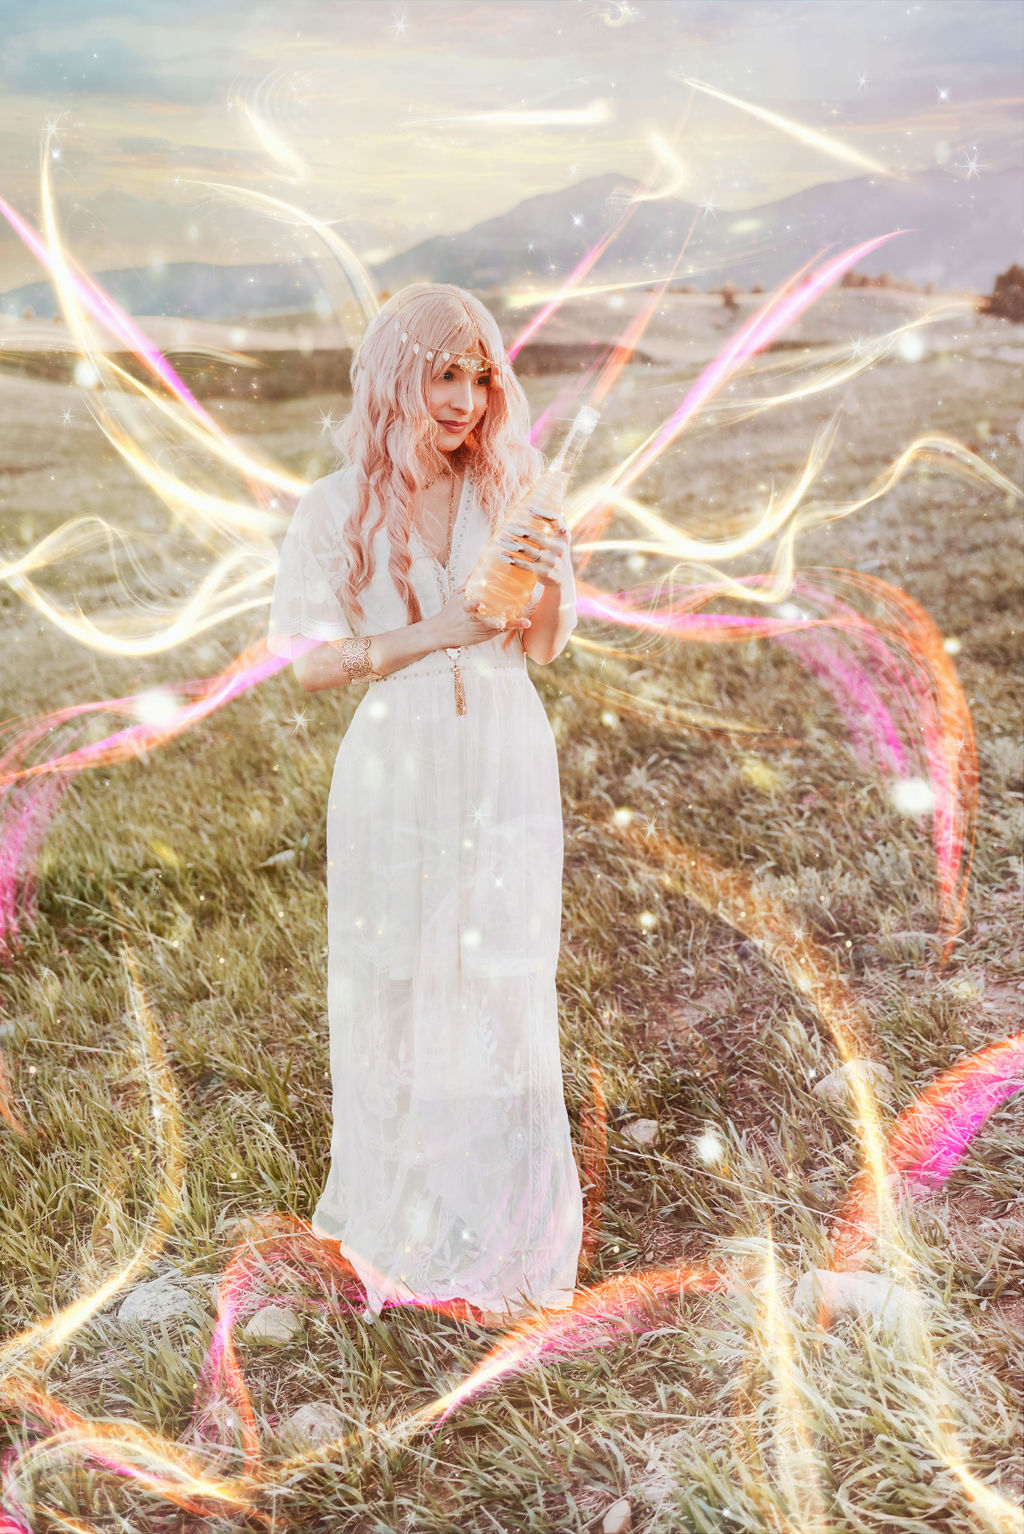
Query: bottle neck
x=575, y=441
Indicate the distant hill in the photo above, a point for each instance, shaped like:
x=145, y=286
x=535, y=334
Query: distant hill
x=961, y=232
x=194, y=289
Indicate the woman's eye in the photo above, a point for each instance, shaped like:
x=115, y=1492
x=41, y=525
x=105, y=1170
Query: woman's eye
x=485, y=383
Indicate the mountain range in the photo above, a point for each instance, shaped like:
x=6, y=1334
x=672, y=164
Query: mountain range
x=960, y=229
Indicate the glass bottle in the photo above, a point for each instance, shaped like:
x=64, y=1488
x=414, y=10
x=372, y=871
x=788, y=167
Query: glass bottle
x=503, y=589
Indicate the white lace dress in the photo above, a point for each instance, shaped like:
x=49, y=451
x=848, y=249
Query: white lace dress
x=452, y=1171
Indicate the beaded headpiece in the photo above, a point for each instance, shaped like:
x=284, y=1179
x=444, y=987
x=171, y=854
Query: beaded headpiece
x=469, y=362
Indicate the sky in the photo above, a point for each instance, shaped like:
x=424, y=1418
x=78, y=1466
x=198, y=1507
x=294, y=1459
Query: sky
x=207, y=131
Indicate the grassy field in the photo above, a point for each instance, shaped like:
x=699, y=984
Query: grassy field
x=723, y=1411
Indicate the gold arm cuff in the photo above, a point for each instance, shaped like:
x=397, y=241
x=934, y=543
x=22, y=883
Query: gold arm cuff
x=355, y=655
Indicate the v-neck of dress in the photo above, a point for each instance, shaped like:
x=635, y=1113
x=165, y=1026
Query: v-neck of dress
x=446, y=568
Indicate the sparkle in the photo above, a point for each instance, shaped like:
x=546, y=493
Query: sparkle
x=577, y=219
x=856, y=345
x=574, y=171
x=710, y=1147
x=971, y=163
x=400, y=23
x=156, y=706
x=299, y=720
x=912, y=796
x=327, y=423
x=66, y=418
x=708, y=209
x=943, y=91
x=862, y=80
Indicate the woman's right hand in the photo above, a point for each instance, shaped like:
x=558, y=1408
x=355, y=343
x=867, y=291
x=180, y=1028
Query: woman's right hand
x=460, y=623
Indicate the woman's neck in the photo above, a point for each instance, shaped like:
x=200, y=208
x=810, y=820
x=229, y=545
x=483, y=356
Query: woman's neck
x=453, y=468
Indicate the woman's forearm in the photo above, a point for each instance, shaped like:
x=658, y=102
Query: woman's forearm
x=389, y=652
x=551, y=622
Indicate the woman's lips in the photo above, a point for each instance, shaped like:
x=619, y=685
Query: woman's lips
x=453, y=425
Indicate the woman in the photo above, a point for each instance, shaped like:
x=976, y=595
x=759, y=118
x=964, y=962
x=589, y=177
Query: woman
x=452, y=1175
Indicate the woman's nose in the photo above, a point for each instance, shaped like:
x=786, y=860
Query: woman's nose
x=462, y=395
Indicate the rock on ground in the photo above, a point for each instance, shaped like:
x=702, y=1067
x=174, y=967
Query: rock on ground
x=316, y=1423
x=154, y=1302
x=870, y=1295
x=837, y=1087
x=253, y=1228
x=619, y=1518
x=641, y=1131
x=272, y=1324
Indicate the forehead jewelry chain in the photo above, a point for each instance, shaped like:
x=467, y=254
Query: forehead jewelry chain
x=469, y=362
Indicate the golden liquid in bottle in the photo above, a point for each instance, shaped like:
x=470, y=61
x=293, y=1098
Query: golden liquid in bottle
x=502, y=589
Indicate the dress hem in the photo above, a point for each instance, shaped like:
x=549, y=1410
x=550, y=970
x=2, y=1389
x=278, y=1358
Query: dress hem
x=380, y=1290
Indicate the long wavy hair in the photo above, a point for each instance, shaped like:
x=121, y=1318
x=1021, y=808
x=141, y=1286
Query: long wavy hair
x=390, y=442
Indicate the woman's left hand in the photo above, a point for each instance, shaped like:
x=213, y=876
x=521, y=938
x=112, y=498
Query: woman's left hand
x=544, y=553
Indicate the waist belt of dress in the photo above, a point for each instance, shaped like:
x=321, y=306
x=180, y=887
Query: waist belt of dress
x=441, y=665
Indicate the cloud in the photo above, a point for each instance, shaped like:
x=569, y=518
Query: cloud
x=62, y=16
x=145, y=152
x=141, y=143
x=106, y=66
x=343, y=84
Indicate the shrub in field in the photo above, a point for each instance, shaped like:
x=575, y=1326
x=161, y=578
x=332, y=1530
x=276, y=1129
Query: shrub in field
x=1006, y=300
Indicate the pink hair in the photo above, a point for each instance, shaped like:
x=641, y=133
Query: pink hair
x=391, y=441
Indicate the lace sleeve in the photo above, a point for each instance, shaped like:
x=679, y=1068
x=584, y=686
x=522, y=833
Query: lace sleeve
x=305, y=602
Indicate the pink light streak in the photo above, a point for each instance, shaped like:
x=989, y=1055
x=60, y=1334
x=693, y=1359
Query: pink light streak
x=781, y=309
x=893, y=681
x=935, y=1133
x=575, y=277
x=931, y=1138
x=104, y=309
x=29, y=792
x=608, y=367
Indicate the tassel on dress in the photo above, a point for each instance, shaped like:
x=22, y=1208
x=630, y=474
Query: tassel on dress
x=460, y=691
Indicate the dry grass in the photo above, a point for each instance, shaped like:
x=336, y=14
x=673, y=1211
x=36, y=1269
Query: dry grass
x=691, y=1026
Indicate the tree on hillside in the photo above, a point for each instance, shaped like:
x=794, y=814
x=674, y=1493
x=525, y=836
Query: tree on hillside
x=1007, y=297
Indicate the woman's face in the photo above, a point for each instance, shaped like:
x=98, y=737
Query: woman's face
x=456, y=401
